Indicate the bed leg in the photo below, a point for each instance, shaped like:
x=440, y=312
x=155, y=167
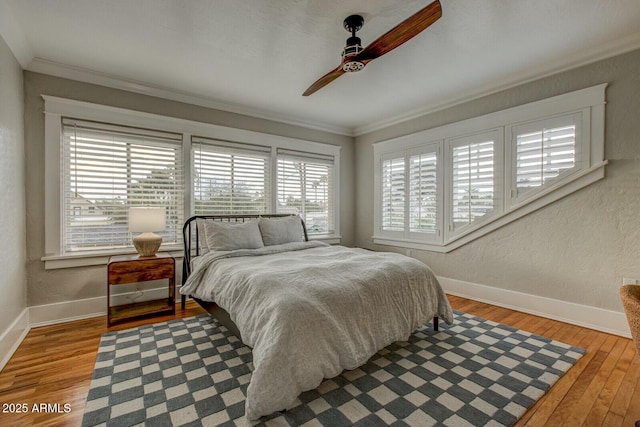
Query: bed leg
x=435, y=323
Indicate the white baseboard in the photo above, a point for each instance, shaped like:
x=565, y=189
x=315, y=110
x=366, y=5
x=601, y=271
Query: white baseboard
x=11, y=339
x=611, y=322
x=60, y=312
x=66, y=311
x=608, y=321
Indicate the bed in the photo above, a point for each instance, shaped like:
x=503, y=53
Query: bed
x=307, y=309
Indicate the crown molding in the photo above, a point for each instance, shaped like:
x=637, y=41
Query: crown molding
x=57, y=69
x=604, y=51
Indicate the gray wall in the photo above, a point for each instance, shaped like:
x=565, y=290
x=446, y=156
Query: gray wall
x=577, y=249
x=13, y=283
x=50, y=286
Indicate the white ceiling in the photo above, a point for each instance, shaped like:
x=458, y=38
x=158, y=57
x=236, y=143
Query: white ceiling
x=258, y=56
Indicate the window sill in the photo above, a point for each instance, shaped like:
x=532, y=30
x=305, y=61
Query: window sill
x=332, y=239
x=86, y=259
x=93, y=258
x=409, y=244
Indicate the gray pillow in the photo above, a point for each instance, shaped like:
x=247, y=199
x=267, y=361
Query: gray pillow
x=202, y=235
x=229, y=236
x=277, y=231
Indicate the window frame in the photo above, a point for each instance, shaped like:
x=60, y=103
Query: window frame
x=56, y=108
x=407, y=234
x=308, y=159
x=103, y=138
x=583, y=132
x=429, y=148
x=245, y=151
x=451, y=231
x=589, y=102
x=399, y=158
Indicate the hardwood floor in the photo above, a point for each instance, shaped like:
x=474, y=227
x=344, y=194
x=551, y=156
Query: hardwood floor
x=602, y=389
x=54, y=366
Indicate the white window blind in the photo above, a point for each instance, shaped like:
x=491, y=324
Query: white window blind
x=109, y=168
x=393, y=193
x=305, y=187
x=544, y=150
x=423, y=192
x=473, y=180
x=230, y=178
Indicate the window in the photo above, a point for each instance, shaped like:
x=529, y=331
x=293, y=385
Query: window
x=305, y=187
x=545, y=150
x=101, y=160
x=230, y=178
x=423, y=192
x=108, y=169
x=474, y=190
x=495, y=169
x=410, y=193
x=393, y=193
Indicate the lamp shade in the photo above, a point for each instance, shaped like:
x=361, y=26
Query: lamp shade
x=147, y=218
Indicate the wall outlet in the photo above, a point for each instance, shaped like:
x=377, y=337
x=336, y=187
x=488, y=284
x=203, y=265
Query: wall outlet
x=629, y=281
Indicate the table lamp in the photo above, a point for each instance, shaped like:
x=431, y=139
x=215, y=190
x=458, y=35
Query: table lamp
x=146, y=220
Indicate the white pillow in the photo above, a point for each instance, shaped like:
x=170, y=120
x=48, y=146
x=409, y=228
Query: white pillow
x=229, y=236
x=277, y=231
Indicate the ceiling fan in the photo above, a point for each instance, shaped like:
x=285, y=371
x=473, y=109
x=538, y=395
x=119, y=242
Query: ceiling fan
x=354, y=57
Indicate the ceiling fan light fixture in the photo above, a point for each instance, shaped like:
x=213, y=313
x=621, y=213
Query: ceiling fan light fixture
x=352, y=66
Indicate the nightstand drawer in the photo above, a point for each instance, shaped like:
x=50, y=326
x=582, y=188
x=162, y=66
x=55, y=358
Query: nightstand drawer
x=140, y=270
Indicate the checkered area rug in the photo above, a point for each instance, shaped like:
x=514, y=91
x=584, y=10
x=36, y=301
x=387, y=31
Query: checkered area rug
x=193, y=372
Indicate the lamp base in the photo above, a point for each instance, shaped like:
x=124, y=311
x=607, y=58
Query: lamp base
x=147, y=244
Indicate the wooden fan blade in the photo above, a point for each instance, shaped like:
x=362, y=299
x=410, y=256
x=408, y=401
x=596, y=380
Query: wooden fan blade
x=324, y=80
x=401, y=33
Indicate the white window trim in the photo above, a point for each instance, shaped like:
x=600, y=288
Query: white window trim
x=590, y=100
x=56, y=108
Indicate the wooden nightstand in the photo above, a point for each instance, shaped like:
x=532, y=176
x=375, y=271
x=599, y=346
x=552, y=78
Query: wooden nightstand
x=123, y=269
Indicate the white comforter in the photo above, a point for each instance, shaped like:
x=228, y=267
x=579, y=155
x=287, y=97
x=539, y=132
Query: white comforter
x=310, y=310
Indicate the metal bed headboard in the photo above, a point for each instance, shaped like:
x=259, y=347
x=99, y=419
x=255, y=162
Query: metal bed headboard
x=190, y=235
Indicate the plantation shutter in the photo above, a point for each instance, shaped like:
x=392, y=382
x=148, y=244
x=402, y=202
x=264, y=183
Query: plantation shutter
x=544, y=150
x=110, y=168
x=305, y=187
x=473, y=179
x=230, y=178
x=423, y=192
x=393, y=193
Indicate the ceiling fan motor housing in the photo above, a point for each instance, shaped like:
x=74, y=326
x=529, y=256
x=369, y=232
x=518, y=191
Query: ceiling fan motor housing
x=354, y=45
x=352, y=49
